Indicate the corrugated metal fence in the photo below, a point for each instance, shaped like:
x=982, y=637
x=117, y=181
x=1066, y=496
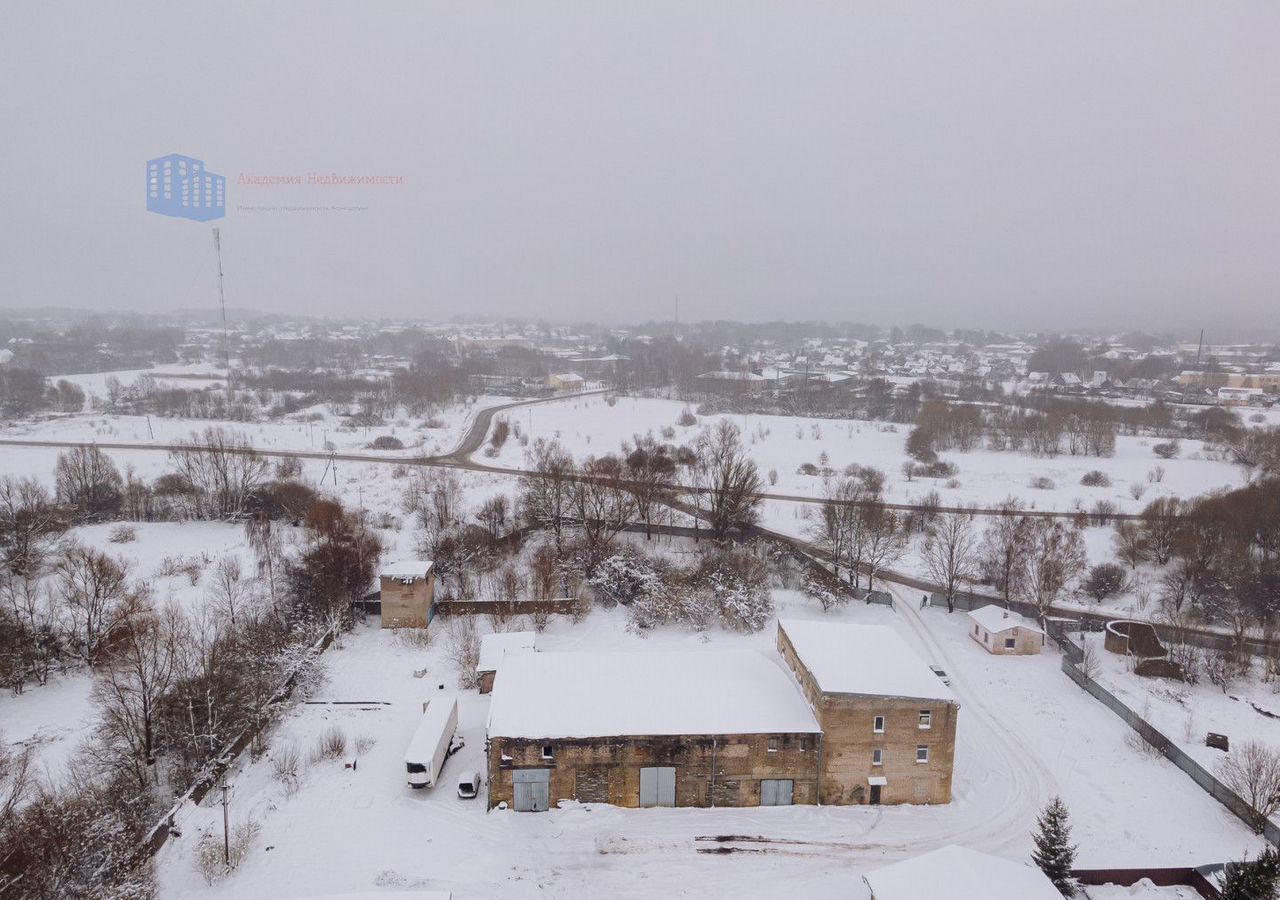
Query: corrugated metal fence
x=1073, y=655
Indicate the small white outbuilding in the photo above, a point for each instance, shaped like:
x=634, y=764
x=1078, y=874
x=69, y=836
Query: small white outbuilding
x=1005, y=632
x=958, y=873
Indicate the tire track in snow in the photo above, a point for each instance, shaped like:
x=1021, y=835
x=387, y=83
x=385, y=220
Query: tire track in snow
x=1030, y=781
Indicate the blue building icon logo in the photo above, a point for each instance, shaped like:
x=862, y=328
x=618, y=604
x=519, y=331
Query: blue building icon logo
x=179, y=186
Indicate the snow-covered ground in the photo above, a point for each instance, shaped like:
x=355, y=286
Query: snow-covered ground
x=50, y=719
x=1249, y=710
x=181, y=375
x=590, y=426
x=313, y=429
x=1025, y=733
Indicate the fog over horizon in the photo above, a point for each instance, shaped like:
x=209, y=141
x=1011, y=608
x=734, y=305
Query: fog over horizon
x=1002, y=165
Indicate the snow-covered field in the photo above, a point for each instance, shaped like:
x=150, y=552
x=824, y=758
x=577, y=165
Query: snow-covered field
x=590, y=426
x=314, y=429
x=1025, y=733
x=1249, y=710
x=182, y=375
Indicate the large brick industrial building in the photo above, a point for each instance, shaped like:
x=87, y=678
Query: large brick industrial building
x=842, y=714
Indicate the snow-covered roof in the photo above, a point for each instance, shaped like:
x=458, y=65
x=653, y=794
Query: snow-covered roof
x=568, y=376
x=493, y=647
x=615, y=694
x=997, y=619
x=862, y=659
x=406, y=569
x=958, y=873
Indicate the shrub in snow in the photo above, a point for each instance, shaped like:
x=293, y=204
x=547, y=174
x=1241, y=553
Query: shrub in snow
x=773, y=477
x=1103, y=511
x=286, y=766
x=1042, y=483
x=668, y=433
x=332, y=744
x=215, y=861
x=740, y=587
x=364, y=743
x=824, y=590
x=1095, y=478
x=807, y=469
x=625, y=577
x=940, y=469
x=1167, y=449
x=1156, y=475
x=122, y=534
x=1104, y=580
x=386, y=442
x=687, y=418
x=1136, y=490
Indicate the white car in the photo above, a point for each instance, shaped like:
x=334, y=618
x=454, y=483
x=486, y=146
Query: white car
x=469, y=786
x=946, y=679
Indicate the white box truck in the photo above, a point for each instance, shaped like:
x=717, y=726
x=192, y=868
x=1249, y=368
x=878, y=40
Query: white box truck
x=430, y=745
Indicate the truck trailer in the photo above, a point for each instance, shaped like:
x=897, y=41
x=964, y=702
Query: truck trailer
x=431, y=743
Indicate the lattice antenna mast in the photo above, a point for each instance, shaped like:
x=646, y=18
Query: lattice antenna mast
x=222, y=301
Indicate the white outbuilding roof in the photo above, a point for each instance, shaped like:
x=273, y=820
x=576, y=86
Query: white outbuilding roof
x=406, y=570
x=996, y=619
x=493, y=647
x=635, y=693
x=870, y=660
x=958, y=873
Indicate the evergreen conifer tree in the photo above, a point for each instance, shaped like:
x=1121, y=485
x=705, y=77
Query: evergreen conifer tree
x=1253, y=880
x=1054, y=852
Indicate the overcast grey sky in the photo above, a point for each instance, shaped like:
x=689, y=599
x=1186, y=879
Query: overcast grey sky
x=1018, y=164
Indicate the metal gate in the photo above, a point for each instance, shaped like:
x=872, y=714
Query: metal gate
x=531, y=789
x=658, y=786
x=776, y=791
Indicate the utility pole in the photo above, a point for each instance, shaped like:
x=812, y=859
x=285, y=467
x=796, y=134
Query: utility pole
x=226, y=829
x=222, y=302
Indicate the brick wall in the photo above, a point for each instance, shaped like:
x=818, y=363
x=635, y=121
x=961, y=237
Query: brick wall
x=607, y=770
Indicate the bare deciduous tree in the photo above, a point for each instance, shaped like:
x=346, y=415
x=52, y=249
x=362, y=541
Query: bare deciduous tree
x=222, y=467
x=729, y=482
x=88, y=483
x=602, y=505
x=1055, y=556
x=95, y=598
x=547, y=493
x=1252, y=770
x=650, y=472
x=950, y=553
x=885, y=539
x=128, y=691
x=1004, y=547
